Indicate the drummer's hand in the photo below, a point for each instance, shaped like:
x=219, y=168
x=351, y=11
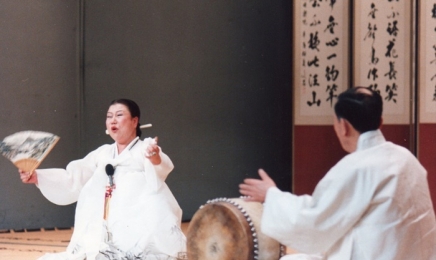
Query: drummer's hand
x=27, y=178
x=255, y=189
x=152, y=152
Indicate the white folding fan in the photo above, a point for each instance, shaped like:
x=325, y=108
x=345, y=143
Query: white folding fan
x=27, y=149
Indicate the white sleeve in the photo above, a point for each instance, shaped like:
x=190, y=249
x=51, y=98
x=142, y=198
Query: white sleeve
x=155, y=174
x=312, y=224
x=166, y=165
x=63, y=186
x=279, y=217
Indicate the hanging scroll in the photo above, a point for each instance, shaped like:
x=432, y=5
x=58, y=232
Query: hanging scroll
x=383, y=54
x=321, y=59
x=427, y=61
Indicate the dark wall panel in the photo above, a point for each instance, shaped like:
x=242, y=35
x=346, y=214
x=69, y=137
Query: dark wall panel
x=398, y=134
x=39, y=82
x=213, y=77
x=316, y=150
x=427, y=155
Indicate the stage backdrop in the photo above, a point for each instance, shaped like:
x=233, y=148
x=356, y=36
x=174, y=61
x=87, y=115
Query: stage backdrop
x=39, y=79
x=213, y=77
x=321, y=72
x=427, y=91
x=375, y=40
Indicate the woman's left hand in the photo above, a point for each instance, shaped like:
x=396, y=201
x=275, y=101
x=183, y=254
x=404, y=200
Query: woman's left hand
x=152, y=152
x=28, y=177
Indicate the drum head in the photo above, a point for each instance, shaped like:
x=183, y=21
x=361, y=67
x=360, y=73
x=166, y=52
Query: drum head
x=218, y=231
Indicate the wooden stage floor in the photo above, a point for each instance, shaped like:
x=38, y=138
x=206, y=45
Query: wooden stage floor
x=29, y=245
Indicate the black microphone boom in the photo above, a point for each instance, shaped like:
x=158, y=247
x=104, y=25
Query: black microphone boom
x=110, y=170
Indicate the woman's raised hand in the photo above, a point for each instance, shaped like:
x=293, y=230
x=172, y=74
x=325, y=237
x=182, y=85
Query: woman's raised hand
x=152, y=152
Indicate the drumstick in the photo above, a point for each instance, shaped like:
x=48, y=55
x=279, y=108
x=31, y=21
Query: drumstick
x=145, y=126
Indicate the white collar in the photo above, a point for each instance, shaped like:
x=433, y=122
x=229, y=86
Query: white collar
x=370, y=139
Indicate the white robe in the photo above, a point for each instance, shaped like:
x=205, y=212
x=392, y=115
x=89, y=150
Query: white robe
x=144, y=217
x=373, y=204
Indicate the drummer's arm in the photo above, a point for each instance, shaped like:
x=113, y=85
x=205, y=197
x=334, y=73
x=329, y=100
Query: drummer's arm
x=256, y=189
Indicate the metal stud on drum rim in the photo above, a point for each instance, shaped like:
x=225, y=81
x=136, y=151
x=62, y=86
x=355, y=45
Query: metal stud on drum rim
x=221, y=216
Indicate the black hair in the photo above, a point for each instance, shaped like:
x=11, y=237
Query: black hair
x=363, y=110
x=133, y=109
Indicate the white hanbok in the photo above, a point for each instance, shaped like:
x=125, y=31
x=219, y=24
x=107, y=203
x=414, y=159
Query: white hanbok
x=144, y=218
x=373, y=204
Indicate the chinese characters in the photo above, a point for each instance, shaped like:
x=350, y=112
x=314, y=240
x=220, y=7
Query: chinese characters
x=384, y=53
x=322, y=52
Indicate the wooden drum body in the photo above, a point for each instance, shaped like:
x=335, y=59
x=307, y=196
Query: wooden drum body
x=227, y=229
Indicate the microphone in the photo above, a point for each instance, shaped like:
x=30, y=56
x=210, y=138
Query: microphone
x=110, y=170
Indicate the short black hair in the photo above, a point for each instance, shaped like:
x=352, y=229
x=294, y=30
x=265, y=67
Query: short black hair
x=363, y=110
x=133, y=109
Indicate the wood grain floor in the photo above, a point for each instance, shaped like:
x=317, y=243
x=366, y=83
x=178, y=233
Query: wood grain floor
x=29, y=245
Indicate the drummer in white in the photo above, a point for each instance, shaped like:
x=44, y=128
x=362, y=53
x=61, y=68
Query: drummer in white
x=373, y=204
